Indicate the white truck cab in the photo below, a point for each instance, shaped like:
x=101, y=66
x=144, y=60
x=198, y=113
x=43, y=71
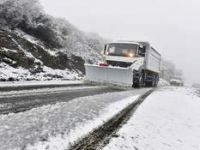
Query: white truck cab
x=133, y=63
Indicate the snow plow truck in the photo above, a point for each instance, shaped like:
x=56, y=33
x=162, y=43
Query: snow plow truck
x=126, y=63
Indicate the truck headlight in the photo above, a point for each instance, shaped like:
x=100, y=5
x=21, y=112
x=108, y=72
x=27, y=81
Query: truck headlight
x=131, y=54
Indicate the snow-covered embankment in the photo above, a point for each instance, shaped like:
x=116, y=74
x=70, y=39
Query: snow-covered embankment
x=169, y=119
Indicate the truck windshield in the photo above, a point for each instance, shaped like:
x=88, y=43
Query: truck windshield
x=121, y=49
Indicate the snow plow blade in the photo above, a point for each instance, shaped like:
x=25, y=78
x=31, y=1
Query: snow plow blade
x=108, y=74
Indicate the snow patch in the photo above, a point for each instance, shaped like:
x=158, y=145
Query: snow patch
x=7, y=72
x=8, y=50
x=10, y=73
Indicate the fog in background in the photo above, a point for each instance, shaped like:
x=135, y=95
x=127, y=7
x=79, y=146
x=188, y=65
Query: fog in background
x=172, y=26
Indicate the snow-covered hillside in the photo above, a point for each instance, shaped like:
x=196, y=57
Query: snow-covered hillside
x=34, y=45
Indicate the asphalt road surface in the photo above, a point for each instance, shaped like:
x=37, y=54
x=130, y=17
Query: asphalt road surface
x=19, y=101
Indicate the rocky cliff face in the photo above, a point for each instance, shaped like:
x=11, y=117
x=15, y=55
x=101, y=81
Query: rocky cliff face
x=36, y=46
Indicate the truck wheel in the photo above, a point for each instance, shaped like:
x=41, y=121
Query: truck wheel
x=156, y=84
x=157, y=80
x=139, y=83
x=150, y=84
x=147, y=84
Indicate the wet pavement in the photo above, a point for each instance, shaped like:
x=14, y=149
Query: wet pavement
x=14, y=103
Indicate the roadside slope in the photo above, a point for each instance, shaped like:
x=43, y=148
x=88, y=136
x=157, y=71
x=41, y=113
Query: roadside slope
x=37, y=46
x=168, y=119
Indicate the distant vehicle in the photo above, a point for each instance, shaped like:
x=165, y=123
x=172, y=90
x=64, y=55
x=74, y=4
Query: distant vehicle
x=129, y=63
x=196, y=85
x=176, y=81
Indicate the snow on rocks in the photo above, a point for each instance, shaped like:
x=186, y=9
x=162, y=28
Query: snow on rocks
x=8, y=73
x=57, y=126
x=5, y=49
x=169, y=119
x=35, y=41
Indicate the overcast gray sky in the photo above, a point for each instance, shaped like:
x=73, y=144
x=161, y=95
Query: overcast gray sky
x=172, y=26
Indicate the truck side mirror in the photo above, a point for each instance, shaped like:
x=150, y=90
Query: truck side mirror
x=141, y=51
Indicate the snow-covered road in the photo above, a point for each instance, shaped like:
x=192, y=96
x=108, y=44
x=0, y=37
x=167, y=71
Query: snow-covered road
x=34, y=83
x=28, y=85
x=169, y=119
x=58, y=125
x=19, y=101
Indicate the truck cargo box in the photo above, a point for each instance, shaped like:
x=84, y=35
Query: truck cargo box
x=152, y=60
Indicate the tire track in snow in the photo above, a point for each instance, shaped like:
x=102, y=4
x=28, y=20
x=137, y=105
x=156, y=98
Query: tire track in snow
x=102, y=135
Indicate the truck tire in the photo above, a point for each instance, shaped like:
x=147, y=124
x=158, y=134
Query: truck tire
x=153, y=82
x=157, y=80
x=139, y=83
x=149, y=84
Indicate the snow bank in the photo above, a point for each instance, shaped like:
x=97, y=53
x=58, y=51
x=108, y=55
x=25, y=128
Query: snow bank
x=163, y=82
x=57, y=126
x=8, y=73
x=168, y=120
